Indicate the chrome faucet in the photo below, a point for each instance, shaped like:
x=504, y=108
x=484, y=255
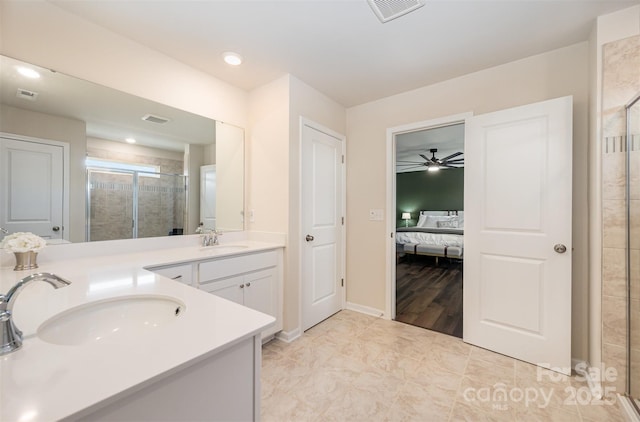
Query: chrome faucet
x=208, y=237
x=10, y=335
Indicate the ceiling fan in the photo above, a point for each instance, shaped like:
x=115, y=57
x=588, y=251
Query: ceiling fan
x=433, y=163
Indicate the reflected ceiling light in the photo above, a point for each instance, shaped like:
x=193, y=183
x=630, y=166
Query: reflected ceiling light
x=27, y=72
x=234, y=59
x=130, y=141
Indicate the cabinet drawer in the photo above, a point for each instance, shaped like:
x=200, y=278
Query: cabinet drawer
x=181, y=273
x=226, y=267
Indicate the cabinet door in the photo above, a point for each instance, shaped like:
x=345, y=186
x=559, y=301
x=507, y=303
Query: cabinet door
x=259, y=291
x=230, y=288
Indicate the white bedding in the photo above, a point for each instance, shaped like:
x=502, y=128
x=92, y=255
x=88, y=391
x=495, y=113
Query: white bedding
x=430, y=238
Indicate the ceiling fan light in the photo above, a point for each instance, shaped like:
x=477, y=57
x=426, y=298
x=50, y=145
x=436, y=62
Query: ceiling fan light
x=433, y=168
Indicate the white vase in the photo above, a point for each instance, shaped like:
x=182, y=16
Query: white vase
x=26, y=260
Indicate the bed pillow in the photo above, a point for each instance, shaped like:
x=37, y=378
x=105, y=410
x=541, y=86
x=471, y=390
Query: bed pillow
x=422, y=220
x=451, y=224
x=432, y=220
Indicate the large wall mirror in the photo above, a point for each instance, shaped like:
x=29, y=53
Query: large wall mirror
x=83, y=162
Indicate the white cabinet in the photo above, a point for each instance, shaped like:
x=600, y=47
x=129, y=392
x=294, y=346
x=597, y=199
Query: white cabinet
x=254, y=290
x=223, y=387
x=252, y=280
x=181, y=272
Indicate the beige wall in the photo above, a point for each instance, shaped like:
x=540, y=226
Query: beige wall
x=274, y=166
x=549, y=75
x=73, y=132
x=307, y=102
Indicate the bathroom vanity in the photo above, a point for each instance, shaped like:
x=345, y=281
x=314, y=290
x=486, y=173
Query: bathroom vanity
x=250, y=278
x=152, y=348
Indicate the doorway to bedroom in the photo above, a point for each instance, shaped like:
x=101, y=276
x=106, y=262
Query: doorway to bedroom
x=429, y=197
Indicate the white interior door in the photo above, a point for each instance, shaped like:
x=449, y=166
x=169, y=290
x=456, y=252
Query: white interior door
x=322, y=219
x=517, y=287
x=32, y=188
x=208, y=196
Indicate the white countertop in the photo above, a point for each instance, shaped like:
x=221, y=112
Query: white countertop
x=44, y=381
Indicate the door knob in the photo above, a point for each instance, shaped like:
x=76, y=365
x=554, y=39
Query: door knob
x=560, y=248
x=309, y=238
x=56, y=228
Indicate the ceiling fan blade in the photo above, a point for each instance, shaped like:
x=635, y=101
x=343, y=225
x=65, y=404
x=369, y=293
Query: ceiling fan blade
x=459, y=160
x=425, y=157
x=451, y=167
x=410, y=168
x=409, y=162
x=455, y=154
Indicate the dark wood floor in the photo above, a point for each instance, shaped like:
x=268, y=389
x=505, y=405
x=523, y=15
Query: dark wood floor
x=430, y=295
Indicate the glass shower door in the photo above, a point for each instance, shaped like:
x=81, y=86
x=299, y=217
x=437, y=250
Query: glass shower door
x=161, y=199
x=110, y=205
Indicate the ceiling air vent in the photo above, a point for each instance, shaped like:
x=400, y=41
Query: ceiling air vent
x=155, y=119
x=387, y=10
x=25, y=94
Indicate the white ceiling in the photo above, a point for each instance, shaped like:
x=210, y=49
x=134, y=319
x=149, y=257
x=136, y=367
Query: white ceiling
x=338, y=46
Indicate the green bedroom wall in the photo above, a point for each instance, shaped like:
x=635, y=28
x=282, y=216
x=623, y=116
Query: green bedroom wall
x=423, y=190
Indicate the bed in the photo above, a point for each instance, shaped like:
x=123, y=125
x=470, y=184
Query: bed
x=438, y=233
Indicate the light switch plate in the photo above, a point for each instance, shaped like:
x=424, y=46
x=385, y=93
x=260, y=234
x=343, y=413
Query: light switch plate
x=376, y=214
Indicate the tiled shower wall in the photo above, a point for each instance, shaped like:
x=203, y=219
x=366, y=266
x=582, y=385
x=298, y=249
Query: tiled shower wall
x=621, y=82
x=161, y=201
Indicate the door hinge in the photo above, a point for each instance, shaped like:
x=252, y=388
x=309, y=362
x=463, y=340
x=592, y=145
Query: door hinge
x=342, y=282
x=343, y=159
x=392, y=235
x=343, y=221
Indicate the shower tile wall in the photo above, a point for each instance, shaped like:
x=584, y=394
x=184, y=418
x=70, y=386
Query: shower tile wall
x=161, y=200
x=621, y=82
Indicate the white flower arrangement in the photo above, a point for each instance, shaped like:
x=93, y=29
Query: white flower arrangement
x=23, y=242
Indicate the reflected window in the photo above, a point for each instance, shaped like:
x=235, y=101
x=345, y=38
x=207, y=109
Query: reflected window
x=145, y=170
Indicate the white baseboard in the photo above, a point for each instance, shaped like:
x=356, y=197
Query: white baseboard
x=628, y=409
x=364, y=309
x=288, y=336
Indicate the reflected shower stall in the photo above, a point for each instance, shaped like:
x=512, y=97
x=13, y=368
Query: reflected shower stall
x=123, y=204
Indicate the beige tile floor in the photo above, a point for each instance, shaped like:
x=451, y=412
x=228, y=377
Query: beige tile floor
x=353, y=367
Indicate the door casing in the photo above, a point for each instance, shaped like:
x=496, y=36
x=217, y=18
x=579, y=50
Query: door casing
x=390, y=309
x=307, y=122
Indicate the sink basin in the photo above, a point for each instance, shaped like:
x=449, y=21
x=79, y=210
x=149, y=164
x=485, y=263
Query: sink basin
x=224, y=248
x=111, y=320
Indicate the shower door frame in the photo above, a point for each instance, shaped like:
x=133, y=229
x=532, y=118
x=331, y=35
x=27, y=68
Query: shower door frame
x=629, y=147
x=135, y=196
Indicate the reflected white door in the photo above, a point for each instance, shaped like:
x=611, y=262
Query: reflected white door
x=208, y=196
x=517, y=287
x=31, y=188
x=322, y=214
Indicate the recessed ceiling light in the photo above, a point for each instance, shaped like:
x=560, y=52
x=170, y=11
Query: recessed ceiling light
x=130, y=141
x=28, y=72
x=234, y=59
